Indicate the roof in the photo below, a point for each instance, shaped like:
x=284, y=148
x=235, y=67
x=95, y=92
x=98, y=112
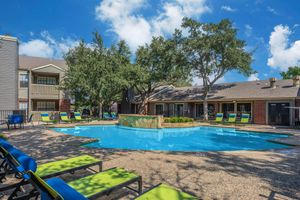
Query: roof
x=8, y=38
x=229, y=91
x=30, y=62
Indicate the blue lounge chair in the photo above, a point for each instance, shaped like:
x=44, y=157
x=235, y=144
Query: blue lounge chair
x=14, y=120
x=92, y=186
x=46, y=170
x=114, y=115
x=106, y=116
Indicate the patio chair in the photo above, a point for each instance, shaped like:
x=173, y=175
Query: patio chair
x=165, y=192
x=30, y=120
x=114, y=115
x=14, y=120
x=107, y=116
x=231, y=118
x=64, y=117
x=89, y=187
x=46, y=170
x=245, y=118
x=46, y=118
x=95, y=185
x=78, y=117
x=219, y=117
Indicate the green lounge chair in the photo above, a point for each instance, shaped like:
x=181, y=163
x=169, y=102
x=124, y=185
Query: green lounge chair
x=50, y=169
x=219, y=117
x=78, y=117
x=245, y=118
x=64, y=117
x=165, y=192
x=46, y=119
x=231, y=118
x=91, y=187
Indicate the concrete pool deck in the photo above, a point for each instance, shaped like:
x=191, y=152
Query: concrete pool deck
x=273, y=174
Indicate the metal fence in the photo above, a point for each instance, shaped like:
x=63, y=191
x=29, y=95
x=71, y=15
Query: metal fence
x=4, y=114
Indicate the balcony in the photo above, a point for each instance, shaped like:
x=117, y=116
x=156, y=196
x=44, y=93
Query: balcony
x=39, y=91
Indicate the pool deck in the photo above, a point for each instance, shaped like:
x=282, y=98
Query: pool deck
x=272, y=174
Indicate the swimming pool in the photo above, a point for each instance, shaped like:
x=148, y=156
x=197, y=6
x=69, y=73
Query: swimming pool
x=175, y=139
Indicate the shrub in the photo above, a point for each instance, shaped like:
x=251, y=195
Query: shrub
x=2, y=136
x=178, y=119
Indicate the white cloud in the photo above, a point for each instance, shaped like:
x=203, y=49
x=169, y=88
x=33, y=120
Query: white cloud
x=228, y=8
x=36, y=47
x=282, y=52
x=47, y=46
x=272, y=10
x=253, y=77
x=248, y=31
x=129, y=24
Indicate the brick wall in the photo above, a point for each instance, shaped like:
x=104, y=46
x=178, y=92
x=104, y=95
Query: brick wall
x=259, y=112
x=297, y=104
x=64, y=105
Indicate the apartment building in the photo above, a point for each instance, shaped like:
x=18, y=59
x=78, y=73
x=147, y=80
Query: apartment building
x=9, y=60
x=30, y=83
x=38, y=85
x=272, y=102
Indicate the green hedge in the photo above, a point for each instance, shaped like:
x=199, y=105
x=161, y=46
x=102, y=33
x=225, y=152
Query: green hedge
x=2, y=137
x=178, y=120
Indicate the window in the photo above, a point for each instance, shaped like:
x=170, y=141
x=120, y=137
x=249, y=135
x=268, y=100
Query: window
x=46, y=80
x=227, y=108
x=45, y=106
x=211, y=110
x=244, y=108
x=178, y=110
x=200, y=111
x=159, y=109
x=23, y=106
x=23, y=80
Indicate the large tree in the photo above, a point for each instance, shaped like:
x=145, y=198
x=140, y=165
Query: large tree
x=291, y=72
x=212, y=50
x=159, y=63
x=95, y=75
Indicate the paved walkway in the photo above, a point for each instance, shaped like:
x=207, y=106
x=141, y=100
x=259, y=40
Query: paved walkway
x=213, y=175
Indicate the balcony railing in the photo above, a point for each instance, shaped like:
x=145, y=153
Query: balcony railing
x=39, y=91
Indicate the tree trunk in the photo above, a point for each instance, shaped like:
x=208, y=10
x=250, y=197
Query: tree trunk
x=100, y=110
x=142, y=108
x=205, y=107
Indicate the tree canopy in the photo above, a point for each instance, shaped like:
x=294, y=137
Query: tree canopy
x=95, y=76
x=212, y=50
x=159, y=63
x=291, y=72
x=98, y=75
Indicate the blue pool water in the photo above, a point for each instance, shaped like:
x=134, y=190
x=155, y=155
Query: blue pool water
x=175, y=139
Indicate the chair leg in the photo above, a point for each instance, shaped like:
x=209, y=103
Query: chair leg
x=140, y=186
x=16, y=190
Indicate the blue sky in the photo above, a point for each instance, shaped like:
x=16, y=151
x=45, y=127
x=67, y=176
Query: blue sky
x=50, y=28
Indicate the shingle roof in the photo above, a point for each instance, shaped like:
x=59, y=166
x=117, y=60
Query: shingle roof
x=29, y=62
x=237, y=90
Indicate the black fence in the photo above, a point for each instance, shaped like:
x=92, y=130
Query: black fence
x=5, y=113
